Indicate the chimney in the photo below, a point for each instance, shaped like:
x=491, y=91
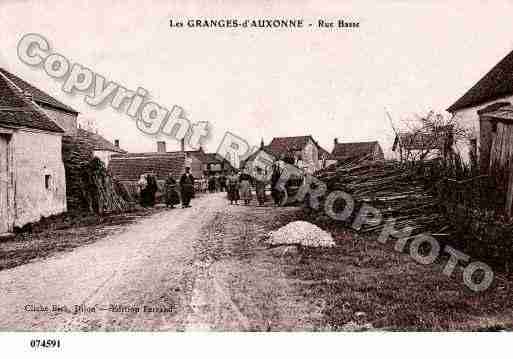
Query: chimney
x=161, y=146
x=182, y=145
x=262, y=143
x=116, y=143
x=335, y=141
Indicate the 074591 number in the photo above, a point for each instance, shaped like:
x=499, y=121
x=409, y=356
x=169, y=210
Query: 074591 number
x=45, y=343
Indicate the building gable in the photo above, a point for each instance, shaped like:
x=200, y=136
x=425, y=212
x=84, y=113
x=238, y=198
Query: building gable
x=496, y=84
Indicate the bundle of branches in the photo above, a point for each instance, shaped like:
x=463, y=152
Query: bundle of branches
x=400, y=191
x=76, y=153
x=89, y=187
x=100, y=191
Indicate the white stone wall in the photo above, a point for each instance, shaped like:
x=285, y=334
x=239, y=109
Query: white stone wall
x=310, y=157
x=37, y=154
x=264, y=161
x=470, y=120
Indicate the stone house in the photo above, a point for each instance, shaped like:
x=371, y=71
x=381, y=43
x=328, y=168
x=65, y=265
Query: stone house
x=495, y=86
x=32, y=177
x=350, y=151
x=414, y=146
x=303, y=151
x=215, y=164
x=102, y=148
x=263, y=159
x=127, y=168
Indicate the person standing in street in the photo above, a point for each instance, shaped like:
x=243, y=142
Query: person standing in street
x=211, y=184
x=141, y=186
x=172, y=197
x=222, y=180
x=187, y=187
x=245, y=188
x=260, y=184
x=233, y=188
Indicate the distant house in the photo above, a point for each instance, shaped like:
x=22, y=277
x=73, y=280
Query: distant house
x=32, y=178
x=495, y=86
x=208, y=163
x=303, y=151
x=351, y=151
x=262, y=158
x=128, y=168
x=217, y=164
x=421, y=145
x=101, y=148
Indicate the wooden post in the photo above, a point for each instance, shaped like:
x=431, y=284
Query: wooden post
x=509, y=169
x=509, y=193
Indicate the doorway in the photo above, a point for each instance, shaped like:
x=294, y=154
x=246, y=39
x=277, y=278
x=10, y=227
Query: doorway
x=4, y=184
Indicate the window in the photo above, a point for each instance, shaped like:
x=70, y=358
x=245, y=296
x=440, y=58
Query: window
x=48, y=181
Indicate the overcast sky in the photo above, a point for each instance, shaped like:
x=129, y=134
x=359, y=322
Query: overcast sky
x=407, y=56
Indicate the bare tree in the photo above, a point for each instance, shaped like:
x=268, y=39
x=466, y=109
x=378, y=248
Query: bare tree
x=431, y=135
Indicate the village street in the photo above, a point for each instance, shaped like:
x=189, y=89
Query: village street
x=206, y=268
x=196, y=266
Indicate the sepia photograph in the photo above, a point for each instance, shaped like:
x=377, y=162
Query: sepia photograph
x=242, y=167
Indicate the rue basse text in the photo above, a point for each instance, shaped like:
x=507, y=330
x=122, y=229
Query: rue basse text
x=330, y=24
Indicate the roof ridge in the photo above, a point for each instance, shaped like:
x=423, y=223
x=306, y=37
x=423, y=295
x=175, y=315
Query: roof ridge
x=40, y=95
x=470, y=98
x=16, y=90
x=347, y=143
x=31, y=104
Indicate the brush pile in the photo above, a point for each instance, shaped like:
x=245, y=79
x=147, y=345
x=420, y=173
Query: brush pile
x=300, y=233
x=89, y=186
x=404, y=192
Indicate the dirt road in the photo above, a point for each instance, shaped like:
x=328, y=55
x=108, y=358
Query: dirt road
x=204, y=268
x=200, y=268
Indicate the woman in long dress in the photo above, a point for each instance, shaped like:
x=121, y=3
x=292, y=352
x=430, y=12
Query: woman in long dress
x=233, y=188
x=142, y=184
x=172, y=196
x=276, y=193
x=187, y=187
x=245, y=188
x=260, y=184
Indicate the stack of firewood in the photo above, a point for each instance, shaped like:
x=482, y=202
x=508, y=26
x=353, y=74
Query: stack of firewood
x=99, y=189
x=89, y=186
x=76, y=153
x=399, y=191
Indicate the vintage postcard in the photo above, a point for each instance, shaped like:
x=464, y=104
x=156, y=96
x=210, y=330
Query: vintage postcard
x=255, y=166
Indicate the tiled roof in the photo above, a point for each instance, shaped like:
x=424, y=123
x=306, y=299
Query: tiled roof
x=39, y=95
x=97, y=142
x=17, y=111
x=353, y=149
x=130, y=167
x=494, y=85
x=281, y=145
x=218, y=159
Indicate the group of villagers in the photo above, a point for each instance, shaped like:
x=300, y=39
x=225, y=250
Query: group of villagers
x=174, y=194
x=239, y=187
